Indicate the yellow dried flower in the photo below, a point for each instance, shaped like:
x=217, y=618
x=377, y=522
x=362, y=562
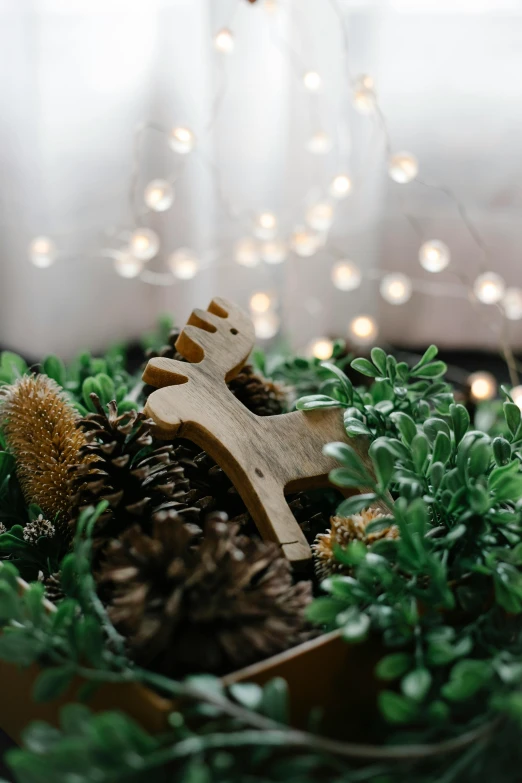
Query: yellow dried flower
x=39, y=424
x=344, y=530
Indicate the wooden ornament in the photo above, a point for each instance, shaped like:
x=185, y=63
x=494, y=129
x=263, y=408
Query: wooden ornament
x=264, y=456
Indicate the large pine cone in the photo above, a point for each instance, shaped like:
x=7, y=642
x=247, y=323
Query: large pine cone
x=209, y=604
x=123, y=464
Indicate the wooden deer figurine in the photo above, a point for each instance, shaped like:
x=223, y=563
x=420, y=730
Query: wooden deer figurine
x=264, y=456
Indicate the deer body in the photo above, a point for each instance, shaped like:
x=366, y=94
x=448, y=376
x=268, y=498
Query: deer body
x=263, y=456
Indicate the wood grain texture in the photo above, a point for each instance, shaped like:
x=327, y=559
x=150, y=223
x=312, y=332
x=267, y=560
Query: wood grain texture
x=265, y=457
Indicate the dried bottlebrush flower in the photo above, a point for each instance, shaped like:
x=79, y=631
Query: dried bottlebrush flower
x=40, y=428
x=38, y=528
x=343, y=531
x=213, y=604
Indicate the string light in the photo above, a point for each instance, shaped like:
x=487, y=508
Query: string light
x=363, y=329
x=346, y=276
x=183, y=263
x=320, y=216
x=512, y=304
x=127, y=265
x=364, y=94
x=319, y=144
x=403, y=167
x=158, y=195
x=321, y=348
x=42, y=252
x=247, y=253
x=396, y=288
x=434, y=256
x=516, y=395
x=312, y=81
x=340, y=186
x=266, y=325
x=182, y=140
x=265, y=225
x=273, y=252
x=144, y=244
x=224, y=41
x=304, y=243
x=489, y=288
x=260, y=302
x=483, y=386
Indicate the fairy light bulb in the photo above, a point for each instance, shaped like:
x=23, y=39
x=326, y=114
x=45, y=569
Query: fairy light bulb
x=396, y=288
x=321, y=348
x=182, y=140
x=273, y=252
x=363, y=329
x=265, y=225
x=346, y=276
x=183, y=263
x=158, y=195
x=224, y=41
x=320, y=216
x=483, y=386
x=403, y=167
x=516, y=394
x=304, y=243
x=489, y=288
x=434, y=256
x=144, y=244
x=247, y=253
x=364, y=94
x=340, y=186
x=319, y=144
x=266, y=325
x=260, y=302
x=42, y=252
x=127, y=265
x=512, y=304
x=312, y=81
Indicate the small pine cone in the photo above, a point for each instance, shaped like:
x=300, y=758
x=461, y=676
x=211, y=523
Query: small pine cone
x=258, y=394
x=343, y=531
x=40, y=427
x=212, y=604
x=39, y=528
x=53, y=586
x=123, y=464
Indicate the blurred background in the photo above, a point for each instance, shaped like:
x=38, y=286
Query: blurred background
x=305, y=151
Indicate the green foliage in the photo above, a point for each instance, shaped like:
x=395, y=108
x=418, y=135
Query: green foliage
x=442, y=602
x=304, y=375
x=445, y=597
x=12, y=367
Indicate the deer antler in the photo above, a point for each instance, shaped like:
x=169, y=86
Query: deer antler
x=222, y=335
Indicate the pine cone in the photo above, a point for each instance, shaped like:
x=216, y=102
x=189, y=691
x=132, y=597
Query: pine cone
x=40, y=428
x=344, y=530
x=258, y=394
x=53, y=587
x=212, y=605
x=39, y=528
x=123, y=464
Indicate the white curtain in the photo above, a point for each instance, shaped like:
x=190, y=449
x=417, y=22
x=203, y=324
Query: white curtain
x=78, y=77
